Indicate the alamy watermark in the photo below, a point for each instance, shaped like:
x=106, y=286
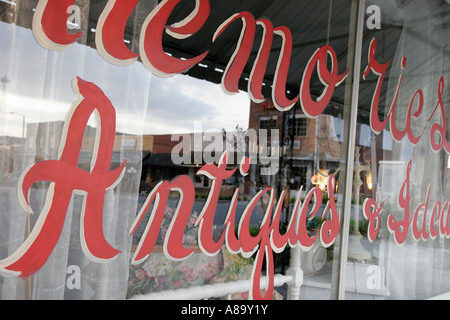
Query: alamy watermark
x=73, y=280
x=74, y=20
x=261, y=146
x=374, y=17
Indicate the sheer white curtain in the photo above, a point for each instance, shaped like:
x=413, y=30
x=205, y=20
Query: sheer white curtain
x=417, y=269
x=35, y=95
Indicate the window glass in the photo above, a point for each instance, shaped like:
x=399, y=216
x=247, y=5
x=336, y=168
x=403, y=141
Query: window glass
x=401, y=154
x=297, y=159
x=172, y=144
x=40, y=89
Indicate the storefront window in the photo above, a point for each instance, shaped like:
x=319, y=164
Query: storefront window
x=400, y=152
x=173, y=144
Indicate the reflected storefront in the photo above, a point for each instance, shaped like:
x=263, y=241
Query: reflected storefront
x=209, y=149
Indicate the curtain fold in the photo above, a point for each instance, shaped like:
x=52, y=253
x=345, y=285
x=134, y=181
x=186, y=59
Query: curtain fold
x=417, y=269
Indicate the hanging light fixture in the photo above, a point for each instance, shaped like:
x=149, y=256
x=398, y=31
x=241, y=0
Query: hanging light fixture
x=320, y=179
x=369, y=180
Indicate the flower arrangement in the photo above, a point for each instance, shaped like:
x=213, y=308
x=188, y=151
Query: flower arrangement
x=159, y=273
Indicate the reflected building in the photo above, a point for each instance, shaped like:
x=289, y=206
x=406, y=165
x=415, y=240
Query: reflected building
x=310, y=149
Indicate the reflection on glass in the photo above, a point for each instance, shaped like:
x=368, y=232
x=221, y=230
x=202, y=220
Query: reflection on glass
x=414, y=268
x=172, y=127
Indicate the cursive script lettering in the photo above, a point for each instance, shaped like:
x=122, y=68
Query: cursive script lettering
x=421, y=224
x=109, y=41
x=49, y=27
x=264, y=243
x=65, y=178
x=437, y=138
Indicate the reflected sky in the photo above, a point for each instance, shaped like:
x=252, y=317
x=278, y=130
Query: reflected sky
x=176, y=103
x=37, y=84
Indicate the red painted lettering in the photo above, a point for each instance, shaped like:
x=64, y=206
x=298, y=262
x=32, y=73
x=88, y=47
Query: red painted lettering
x=109, y=41
x=173, y=242
x=437, y=138
x=421, y=210
x=237, y=63
x=380, y=71
x=330, y=79
x=400, y=228
x=413, y=139
x=306, y=242
x=438, y=132
x=444, y=220
x=50, y=24
x=279, y=86
x=151, y=48
x=65, y=178
x=330, y=228
x=434, y=221
x=372, y=212
x=109, y=35
x=256, y=79
x=206, y=218
x=279, y=241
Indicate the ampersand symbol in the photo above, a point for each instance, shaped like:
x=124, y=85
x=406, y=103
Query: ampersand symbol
x=372, y=211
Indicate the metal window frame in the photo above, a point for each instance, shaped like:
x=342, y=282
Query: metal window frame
x=357, y=17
